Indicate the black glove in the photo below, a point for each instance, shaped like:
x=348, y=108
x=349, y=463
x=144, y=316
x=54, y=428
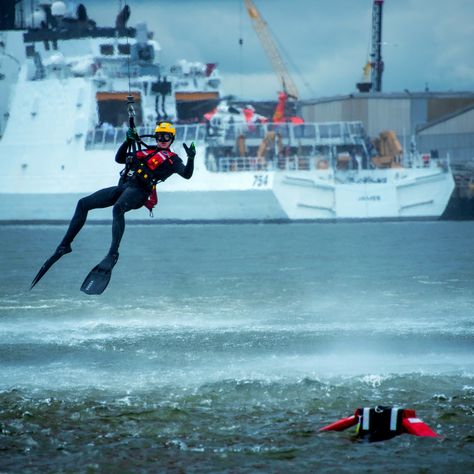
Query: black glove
x=190, y=150
x=132, y=135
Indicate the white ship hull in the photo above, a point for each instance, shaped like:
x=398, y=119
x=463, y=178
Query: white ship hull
x=398, y=194
x=45, y=186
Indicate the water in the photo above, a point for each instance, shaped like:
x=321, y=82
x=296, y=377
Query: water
x=224, y=348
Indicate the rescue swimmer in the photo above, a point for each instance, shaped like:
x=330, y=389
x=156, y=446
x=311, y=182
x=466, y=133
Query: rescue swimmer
x=382, y=423
x=136, y=188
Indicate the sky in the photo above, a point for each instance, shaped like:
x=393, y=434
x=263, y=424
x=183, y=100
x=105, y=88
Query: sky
x=325, y=43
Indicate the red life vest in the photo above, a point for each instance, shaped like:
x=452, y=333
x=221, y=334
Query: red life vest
x=148, y=161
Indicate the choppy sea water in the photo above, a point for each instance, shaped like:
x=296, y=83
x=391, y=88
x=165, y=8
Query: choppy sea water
x=224, y=348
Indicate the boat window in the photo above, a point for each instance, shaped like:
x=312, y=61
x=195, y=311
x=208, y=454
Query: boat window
x=107, y=49
x=124, y=49
x=111, y=110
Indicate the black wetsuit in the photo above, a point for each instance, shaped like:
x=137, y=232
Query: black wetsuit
x=130, y=193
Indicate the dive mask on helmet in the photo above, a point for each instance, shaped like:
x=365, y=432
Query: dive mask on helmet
x=163, y=137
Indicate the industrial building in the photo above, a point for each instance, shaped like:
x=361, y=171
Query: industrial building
x=441, y=121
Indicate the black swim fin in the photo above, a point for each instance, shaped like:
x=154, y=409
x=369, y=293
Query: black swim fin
x=99, y=277
x=60, y=251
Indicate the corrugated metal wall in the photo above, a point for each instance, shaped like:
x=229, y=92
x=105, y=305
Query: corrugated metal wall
x=459, y=146
x=377, y=114
x=462, y=123
x=389, y=114
x=438, y=108
x=404, y=113
x=454, y=136
x=323, y=112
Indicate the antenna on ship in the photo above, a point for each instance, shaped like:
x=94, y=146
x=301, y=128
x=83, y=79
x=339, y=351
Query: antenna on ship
x=122, y=23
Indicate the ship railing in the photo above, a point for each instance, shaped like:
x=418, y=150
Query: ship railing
x=118, y=68
x=334, y=133
x=347, y=170
x=226, y=164
x=426, y=160
x=330, y=133
x=109, y=137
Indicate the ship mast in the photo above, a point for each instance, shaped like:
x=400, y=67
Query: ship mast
x=376, y=54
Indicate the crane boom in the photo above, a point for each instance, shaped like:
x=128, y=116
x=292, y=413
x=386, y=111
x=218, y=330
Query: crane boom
x=261, y=28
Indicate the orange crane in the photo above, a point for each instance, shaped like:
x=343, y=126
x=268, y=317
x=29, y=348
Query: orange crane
x=261, y=28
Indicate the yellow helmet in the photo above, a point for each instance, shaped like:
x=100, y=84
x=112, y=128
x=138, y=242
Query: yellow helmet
x=165, y=127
